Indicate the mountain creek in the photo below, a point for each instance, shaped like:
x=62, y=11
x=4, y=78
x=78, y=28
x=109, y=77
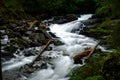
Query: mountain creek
x=22, y=41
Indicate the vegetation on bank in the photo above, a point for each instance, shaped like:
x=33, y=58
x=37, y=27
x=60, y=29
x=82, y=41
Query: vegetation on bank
x=103, y=66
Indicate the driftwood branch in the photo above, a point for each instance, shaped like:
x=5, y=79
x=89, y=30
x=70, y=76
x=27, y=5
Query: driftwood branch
x=41, y=51
x=31, y=24
x=87, y=53
x=92, y=50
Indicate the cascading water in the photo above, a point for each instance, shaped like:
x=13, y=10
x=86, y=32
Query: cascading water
x=60, y=63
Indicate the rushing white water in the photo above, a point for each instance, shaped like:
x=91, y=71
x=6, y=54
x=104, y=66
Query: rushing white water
x=84, y=17
x=73, y=44
x=61, y=63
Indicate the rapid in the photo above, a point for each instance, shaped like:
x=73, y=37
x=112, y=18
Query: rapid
x=60, y=64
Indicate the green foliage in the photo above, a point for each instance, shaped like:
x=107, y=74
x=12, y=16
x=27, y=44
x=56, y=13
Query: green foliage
x=13, y=5
x=104, y=66
x=113, y=28
x=108, y=8
x=115, y=37
x=111, y=66
x=51, y=7
x=90, y=69
x=95, y=78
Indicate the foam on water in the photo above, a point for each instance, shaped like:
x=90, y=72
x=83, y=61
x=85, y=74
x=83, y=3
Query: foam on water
x=84, y=17
x=14, y=63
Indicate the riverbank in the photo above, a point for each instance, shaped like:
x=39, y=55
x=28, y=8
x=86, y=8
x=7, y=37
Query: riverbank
x=102, y=65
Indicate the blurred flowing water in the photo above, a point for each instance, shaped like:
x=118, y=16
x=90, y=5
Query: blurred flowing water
x=60, y=62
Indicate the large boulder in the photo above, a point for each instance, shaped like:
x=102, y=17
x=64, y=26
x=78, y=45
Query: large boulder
x=37, y=37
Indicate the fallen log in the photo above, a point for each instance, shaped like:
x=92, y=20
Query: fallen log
x=41, y=51
x=86, y=53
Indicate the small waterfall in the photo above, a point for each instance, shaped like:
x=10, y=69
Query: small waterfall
x=67, y=27
x=73, y=26
x=60, y=64
x=84, y=17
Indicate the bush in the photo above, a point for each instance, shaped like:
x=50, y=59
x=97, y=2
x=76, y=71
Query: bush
x=115, y=34
x=101, y=66
x=90, y=69
x=95, y=78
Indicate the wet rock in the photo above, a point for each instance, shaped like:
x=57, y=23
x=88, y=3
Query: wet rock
x=71, y=17
x=53, y=35
x=11, y=26
x=37, y=37
x=13, y=34
x=34, y=44
x=49, y=48
x=29, y=52
x=8, y=51
x=19, y=41
x=57, y=43
x=3, y=27
x=10, y=75
x=64, y=19
x=90, y=22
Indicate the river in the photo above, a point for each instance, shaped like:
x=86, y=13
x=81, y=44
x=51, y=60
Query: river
x=60, y=64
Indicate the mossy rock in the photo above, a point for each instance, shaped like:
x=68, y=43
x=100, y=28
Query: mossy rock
x=58, y=43
x=97, y=32
x=10, y=50
x=3, y=27
x=108, y=24
x=37, y=37
x=19, y=41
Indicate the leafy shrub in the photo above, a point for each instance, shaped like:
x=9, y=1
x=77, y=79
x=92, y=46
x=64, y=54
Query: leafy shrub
x=95, y=78
x=115, y=37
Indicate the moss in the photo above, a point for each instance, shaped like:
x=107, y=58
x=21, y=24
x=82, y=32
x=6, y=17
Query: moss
x=100, y=67
x=107, y=30
x=23, y=42
x=97, y=32
x=92, y=68
x=115, y=35
x=111, y=67
x=95, y=78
